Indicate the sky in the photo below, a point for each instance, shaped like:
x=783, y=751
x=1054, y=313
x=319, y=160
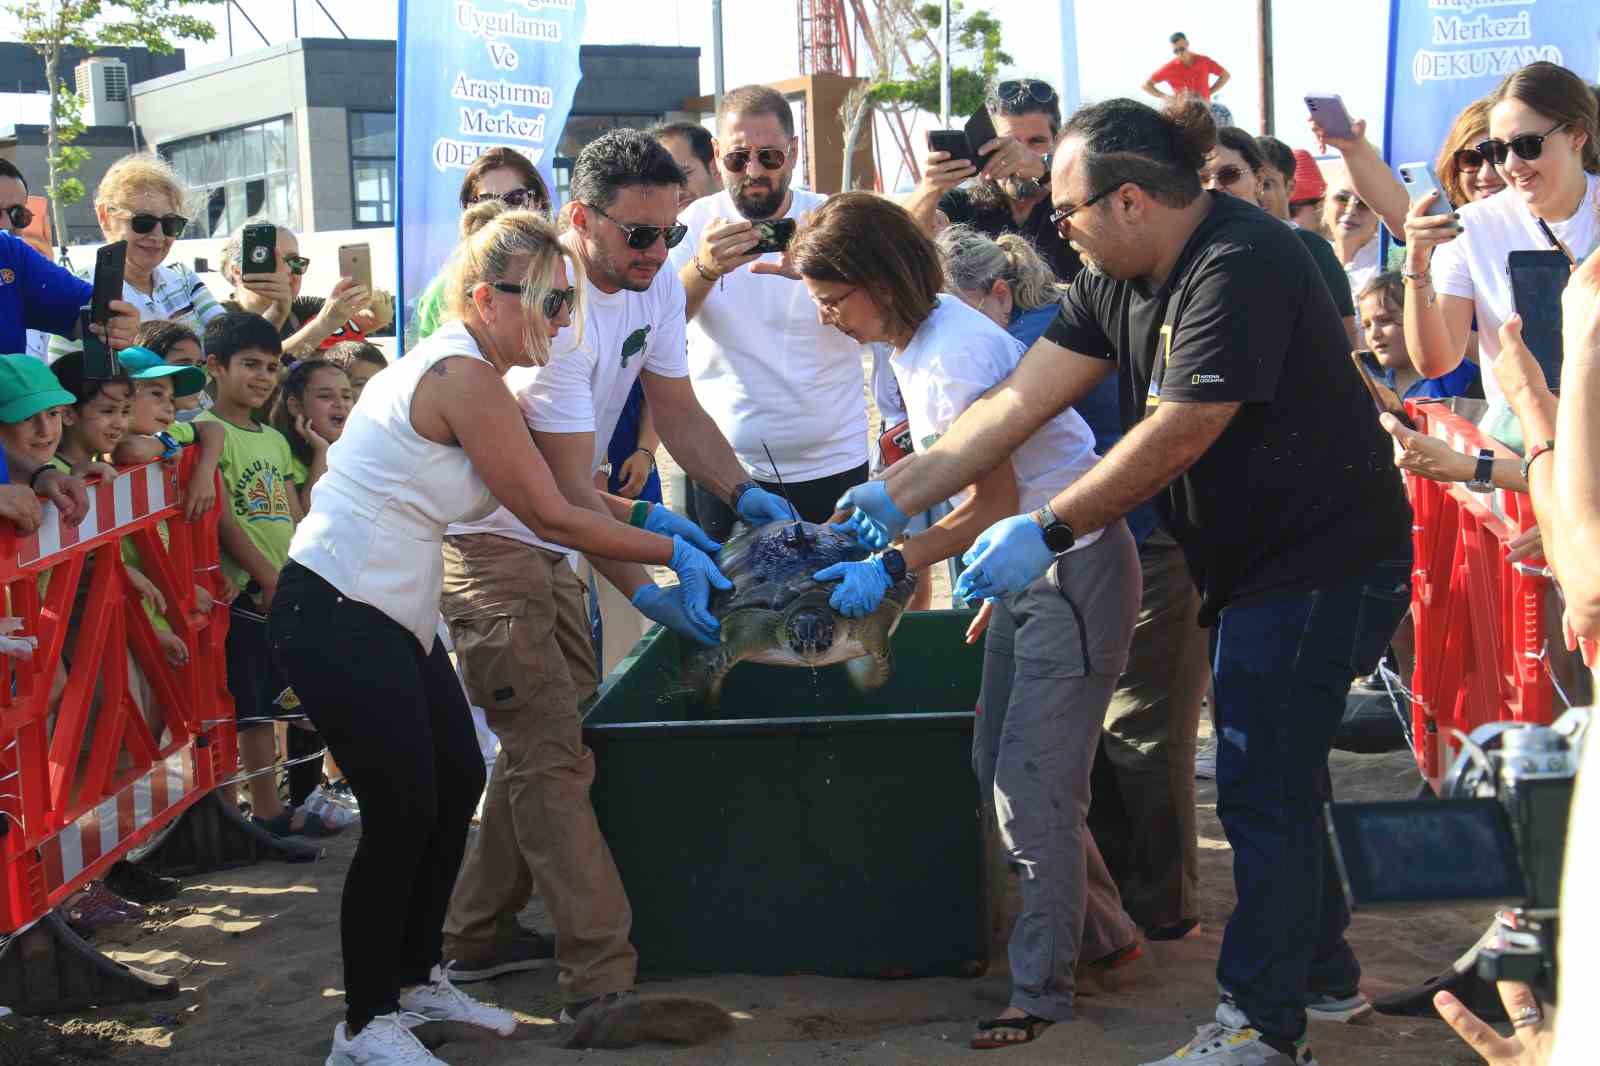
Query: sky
x=1119, y=43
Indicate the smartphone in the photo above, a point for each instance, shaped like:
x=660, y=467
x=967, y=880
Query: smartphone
x=954, y=142
x=1419, y=180
x=259, y=248
x=1421, y=853
x=1383, y=397
x=355, y=262
x=980, y=131
x=776, y=233
x=1537, y=281
x=110, y=262
x=1331, y=115
x=99, y=364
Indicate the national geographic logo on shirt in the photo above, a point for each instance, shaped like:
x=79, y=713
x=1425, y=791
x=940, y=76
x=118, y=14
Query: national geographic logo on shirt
x=1206, y=379
x=634, y=344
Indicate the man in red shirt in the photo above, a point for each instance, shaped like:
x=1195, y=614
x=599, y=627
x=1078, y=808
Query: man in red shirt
x=1188, y=72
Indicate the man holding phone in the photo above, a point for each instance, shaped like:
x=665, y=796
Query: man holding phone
x=37, y=294
x=770, y=374
x=1013, y=191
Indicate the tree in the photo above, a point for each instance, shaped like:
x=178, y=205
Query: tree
x=901, y=82
x=53, y=26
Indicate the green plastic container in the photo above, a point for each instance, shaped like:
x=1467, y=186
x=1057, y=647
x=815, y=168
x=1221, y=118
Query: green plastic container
x=802, y=827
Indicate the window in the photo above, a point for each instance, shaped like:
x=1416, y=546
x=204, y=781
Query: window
x=372, y=177
x=235, y=174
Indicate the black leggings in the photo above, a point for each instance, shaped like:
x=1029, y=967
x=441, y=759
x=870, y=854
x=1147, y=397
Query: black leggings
x=396, y=720
x=813, y=499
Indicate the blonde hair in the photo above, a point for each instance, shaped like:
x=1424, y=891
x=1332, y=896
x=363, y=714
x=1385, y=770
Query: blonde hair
x=478, y=215
x=974, y=262
x=141, y=172
x=487, y=256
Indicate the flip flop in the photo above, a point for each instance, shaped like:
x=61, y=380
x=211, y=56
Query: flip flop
x=1030, y=1025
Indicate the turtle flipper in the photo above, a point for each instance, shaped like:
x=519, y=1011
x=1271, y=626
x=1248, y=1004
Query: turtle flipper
x=870, y=671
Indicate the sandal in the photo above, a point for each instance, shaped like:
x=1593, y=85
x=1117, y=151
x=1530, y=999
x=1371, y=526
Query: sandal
x=1030, y=1025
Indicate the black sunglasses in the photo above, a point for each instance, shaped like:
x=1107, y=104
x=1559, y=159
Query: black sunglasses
x=1014, y=92
x=298, y=264
x=513, y=198
x=1468, y=159
x=554, y=300
x=21, y=217
x=769, y=158
x=171, y=225
x=1062, y=219
x=1528, y=146
x=642, y=237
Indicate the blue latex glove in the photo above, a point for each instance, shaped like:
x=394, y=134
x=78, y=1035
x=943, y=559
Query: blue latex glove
x=874, y=518
x=670, y=524
x=861, y=588
x=1006, y=558
x=697, y=575
x=758, y=507
x=668, y=607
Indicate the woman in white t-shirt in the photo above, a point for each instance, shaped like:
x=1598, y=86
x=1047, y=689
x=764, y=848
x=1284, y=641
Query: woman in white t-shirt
x=1542, y=138
x=1053, y=651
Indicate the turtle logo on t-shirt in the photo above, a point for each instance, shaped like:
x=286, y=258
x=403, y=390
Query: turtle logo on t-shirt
x=260, y=494
x=634, y=344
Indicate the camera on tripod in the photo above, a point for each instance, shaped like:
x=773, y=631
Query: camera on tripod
x=1496, y=835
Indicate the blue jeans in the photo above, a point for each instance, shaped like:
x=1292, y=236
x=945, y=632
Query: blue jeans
x=1282, y=668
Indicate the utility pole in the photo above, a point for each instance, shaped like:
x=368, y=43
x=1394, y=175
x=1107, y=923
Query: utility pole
x=944, y=68
x=716, y=52
x=1264, y=57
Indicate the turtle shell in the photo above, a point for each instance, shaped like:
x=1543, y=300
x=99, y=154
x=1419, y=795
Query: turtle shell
x=772, y=564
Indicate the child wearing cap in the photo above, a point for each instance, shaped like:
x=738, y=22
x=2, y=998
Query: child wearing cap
x=177, y=345
x=95, y=423
x=154, y=431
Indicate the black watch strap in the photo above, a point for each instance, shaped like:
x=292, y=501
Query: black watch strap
x=1483, y=474
x=894, y=564
x=738, y=493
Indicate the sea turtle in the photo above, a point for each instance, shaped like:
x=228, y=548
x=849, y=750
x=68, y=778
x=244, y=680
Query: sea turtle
x=776, y=613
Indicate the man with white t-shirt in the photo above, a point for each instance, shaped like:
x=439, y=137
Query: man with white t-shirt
x=771, y=375
x=516, y=608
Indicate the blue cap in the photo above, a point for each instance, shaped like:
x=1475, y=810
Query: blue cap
x=144, y=365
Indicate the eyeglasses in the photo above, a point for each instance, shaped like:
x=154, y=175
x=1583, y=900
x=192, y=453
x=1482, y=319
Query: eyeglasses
x=1063, y=218
x=298, y=264
x=554, y=300
x=1227, y=175
x=513, y=198
x=21, y=217
x=830, y=307
x=769, y=158
x=1468, y=159
x=1351, y=199
x=171, y=225
x=1528, y=147
x=1014, y=92
x=642, y=237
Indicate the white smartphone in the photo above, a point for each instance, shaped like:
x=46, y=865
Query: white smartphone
x=1419, y=180
x=1331, y=115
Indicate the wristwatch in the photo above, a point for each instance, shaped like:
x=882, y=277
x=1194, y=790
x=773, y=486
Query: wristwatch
x=1058, y=536
x=894, y=564
x=1483, y=476
x=738, y=493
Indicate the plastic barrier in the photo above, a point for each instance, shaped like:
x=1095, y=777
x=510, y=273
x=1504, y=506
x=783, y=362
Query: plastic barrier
x=86, y=780
x=1481, y=621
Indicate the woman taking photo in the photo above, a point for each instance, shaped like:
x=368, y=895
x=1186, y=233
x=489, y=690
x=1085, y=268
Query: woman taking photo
x=437, y=438
x=1054, y=651
x=1542, y=130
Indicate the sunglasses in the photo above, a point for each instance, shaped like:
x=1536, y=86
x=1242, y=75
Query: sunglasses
x=1014, y=92
x=554, y=300
x=1343, y=198
x=21, y=217
x=171, y=225
x=513, y=198
x=298, y=264
x=1062, y=219
x=1528, y=147
x=642, y=237
x=1468, y=159
x=739, y=158
x=1227, y=175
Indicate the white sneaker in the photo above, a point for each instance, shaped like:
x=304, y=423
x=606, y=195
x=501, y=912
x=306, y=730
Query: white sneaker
x=334, y=815
x=442, y=1001
x=1232, y=1041
x=386, y=1041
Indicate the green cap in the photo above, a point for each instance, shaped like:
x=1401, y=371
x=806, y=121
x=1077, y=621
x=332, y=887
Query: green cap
x=142, y=364
x=27, y=387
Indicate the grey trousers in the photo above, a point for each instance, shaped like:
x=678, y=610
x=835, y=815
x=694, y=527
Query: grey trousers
x=1053, y=654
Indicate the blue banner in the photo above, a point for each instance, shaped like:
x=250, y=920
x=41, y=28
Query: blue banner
x=473, y=75
x=1444, y=54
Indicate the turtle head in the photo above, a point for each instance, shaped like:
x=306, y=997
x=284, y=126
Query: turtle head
x=809, y=629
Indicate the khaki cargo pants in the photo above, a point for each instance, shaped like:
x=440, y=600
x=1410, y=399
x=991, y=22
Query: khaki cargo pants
x=521, y=633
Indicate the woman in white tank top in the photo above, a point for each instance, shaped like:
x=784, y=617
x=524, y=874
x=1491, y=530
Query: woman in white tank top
x=436, y=438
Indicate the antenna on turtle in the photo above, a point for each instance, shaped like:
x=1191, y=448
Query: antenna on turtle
x=799, y=530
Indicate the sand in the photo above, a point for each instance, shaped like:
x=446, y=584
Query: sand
x=256, y=951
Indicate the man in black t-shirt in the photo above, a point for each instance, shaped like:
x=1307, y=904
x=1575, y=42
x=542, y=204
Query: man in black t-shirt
x=1012, y=194
x=1243, y=406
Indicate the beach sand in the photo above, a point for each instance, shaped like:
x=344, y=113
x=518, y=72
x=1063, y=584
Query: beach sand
x=257, y=954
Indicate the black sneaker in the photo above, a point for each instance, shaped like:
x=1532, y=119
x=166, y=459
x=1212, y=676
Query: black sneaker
x=528, y=951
